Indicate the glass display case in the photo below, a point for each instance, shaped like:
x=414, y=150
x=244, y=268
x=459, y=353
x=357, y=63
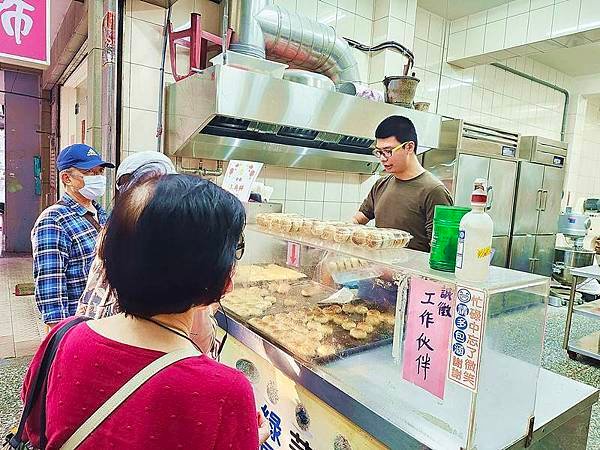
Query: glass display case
x=408, y=354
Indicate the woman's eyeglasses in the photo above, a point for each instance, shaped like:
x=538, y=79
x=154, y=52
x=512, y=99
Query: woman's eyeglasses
x=240, y=248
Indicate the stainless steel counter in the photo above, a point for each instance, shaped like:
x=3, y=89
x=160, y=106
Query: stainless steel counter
x=379, y=407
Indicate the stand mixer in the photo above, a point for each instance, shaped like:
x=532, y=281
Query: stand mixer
x=574, y=228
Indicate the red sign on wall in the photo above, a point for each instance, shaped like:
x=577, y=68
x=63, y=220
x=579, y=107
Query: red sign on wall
x=25, y=31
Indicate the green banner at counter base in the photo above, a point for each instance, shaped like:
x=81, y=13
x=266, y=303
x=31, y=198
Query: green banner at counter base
x=467, y=334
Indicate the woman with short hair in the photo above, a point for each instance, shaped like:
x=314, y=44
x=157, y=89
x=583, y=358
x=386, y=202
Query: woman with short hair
x=170, y=247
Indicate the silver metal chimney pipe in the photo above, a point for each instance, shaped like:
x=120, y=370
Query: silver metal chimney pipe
x=265, y=29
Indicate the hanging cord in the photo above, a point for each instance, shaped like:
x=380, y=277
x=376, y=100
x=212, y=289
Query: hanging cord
x=383, y=46
x=161, y=84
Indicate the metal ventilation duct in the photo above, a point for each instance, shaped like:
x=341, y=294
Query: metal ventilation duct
x=266, y=30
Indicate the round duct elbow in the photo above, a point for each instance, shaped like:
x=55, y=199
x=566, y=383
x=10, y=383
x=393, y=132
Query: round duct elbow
x=303, y=43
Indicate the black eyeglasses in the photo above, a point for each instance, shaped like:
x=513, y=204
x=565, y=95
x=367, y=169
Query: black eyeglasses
x=240, y=248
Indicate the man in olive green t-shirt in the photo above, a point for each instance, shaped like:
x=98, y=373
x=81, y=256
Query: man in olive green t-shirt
x=406, y=198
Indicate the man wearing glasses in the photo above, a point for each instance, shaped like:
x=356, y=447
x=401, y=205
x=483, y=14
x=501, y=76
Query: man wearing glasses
x=406, y=198
x=64, y=236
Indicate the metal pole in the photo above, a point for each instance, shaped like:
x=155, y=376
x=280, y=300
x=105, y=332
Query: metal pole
x=563, y=128
x=108, y=105
x=570, y=313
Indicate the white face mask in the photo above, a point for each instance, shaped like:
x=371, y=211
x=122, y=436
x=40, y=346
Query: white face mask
x=94, y=186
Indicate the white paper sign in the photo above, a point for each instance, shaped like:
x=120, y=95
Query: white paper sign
x=240, y=176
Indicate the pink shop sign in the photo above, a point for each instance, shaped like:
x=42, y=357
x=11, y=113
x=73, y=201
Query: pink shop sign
x=25, y=31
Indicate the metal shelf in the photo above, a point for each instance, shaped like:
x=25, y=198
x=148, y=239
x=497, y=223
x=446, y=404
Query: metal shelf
x=162, y=3
x=590, y=309
x=588, y=346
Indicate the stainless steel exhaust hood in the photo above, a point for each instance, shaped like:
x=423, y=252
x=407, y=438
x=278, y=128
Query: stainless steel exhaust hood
x=229, y=113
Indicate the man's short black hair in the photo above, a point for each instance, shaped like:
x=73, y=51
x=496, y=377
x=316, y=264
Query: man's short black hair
x=399, y=127
x=170, y=244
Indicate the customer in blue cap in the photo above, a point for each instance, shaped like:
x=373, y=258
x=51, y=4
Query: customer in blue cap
x=65, y=234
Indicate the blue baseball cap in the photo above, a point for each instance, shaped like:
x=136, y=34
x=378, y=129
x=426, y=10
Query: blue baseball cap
x=80, y=156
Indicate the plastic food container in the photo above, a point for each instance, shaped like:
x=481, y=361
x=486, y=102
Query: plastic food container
x=307, y=225
x=318, y=228
x=343, y=233
x=359, y=235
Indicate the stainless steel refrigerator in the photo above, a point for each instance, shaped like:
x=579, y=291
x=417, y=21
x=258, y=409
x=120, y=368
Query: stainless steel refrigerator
x=468, y=151
x=540, y=181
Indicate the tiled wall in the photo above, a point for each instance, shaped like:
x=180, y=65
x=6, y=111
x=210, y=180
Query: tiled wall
x=486, y=94
x=482, y=94
x=585, y=179
x=523, y=27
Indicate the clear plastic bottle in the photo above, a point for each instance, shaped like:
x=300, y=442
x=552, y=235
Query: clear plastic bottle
x=474, y=252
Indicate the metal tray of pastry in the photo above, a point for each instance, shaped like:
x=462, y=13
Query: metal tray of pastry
x=304, y=338
x=273, y=298
x=257, y=274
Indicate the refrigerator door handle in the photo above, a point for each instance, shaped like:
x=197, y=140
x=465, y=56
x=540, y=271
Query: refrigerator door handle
x=544, y=199
x=532, y=262
x=490, y=200
x=538, y=200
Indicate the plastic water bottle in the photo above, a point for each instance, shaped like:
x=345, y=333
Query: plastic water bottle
x=474, y=251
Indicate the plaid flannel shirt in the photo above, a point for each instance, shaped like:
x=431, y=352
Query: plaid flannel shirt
x=64, y=246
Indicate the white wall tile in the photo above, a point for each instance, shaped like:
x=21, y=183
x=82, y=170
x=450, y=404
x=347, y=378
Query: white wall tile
x=144, y=84
x=537, y=4
x=326, y=14
x=420, y=52
x=516, y=27
x=518, y=7
x=294, y=207
x=363, y=30
x=497, y=13
x=333, y=186
x=436, y=29
x=351, y=187
x=474, y=42
x=458, y=25
x=147, y=43
x=540, y=24
x=409, y=35
x=380, y=30
x=348, y=5
x=365, y=8
x=308, y=8
x=347, y=211
x=382, y=9
x=456, y=45
x=396, y=30
x=296, y=184
x=290, y=5
x=422, y=24
x=315, y=185
x=398, y=8
x=477, y=19
x=345, y=24
x=494, y=36
x=276, y=178
x=142, y=125
x=411, y=12
x=148, y=12
x=434, y=58
x=332, y=211
x=377, y=67
x=589, y=16
x=314, y=210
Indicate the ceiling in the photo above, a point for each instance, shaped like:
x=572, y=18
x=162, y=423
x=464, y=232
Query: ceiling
x=58, y=9
x=453, y=9
x=574, y=61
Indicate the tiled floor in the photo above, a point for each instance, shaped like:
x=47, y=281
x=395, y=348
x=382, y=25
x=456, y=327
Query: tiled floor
x=20, y=328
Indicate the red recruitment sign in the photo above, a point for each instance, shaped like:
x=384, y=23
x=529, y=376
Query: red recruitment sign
x=25, y=31
x=427, y=337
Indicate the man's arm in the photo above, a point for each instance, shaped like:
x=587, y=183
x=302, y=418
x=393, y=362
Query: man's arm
x=438, y=196
x=360, y=219
x=50, y=257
